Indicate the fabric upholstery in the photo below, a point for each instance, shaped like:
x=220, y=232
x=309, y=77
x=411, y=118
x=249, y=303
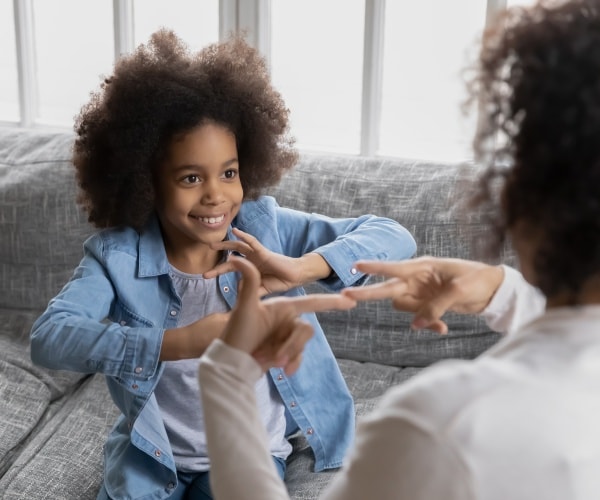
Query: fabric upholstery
x=64, y=461
x=419, y=195
x=42, y=228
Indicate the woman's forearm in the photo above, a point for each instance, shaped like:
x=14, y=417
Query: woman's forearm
x=242, y=465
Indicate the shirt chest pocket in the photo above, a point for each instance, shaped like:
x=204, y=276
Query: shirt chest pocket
x=126, y=317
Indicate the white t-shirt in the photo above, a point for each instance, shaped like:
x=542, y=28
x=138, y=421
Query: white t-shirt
x=520, y=422
x=178, y=394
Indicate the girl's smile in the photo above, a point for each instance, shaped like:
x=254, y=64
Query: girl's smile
x=211, y=222
x=198, y=195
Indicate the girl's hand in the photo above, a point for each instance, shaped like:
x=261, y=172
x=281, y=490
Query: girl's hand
x=430, y=286
x=187, y=342
x=279, y=273
x=271, y=330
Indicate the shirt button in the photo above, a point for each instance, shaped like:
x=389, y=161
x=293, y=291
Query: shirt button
x=122, y=322
x=309, y=431
x=173, y=312
x=134, y=386
x=293, y=404
x=280, y=377
x=157, y=453
x=226, y=289
x=138, y=369
x=170, y=486
x=353, y=270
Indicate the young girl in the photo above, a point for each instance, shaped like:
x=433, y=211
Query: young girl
x=171, y=155
x=520, y=422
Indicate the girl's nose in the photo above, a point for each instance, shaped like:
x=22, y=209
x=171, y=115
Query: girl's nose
x=212, y=192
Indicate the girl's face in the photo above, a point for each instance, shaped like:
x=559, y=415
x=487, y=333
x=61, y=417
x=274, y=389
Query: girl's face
x=198, y=190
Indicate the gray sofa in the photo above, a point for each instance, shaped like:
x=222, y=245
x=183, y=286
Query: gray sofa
x=53, y=424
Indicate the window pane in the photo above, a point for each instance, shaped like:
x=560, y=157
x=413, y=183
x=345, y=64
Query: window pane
x=9, y=97
x=425, y=51
x=194, y=21
x=74, y=47
x=316, y=60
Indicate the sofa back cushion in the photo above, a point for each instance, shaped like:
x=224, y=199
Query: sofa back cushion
x=42, y=228
x=420, y=196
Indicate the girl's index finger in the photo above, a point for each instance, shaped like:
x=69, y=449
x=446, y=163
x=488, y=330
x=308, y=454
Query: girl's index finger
x=219, y=269
x=232, y=246
x=250, y=278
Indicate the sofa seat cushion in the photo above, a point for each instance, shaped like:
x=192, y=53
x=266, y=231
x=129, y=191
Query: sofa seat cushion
x=24, y=398
x=367, y=383
x=28, y=394
x=15, y=326
x=65, y=459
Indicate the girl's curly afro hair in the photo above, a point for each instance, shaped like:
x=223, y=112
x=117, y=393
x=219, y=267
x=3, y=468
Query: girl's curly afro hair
x=538, y=86
x=162, y=90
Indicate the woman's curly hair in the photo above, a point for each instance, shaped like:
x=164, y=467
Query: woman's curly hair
x=537, y=85
x=162, y=90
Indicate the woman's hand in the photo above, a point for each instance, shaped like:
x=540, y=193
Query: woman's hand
x=271, y=330
x=430, y=286
x=279, y=273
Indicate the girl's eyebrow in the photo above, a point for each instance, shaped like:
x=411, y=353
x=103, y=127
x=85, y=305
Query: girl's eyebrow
x=197, y=166
x=228, y=163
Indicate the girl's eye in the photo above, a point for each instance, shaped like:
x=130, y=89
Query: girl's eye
x=191, y=179
x=231, y=174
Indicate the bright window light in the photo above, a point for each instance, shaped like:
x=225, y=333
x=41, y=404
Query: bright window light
x=414, y=52
x=316, y=61
x=426, y=47
x=194, y=21
x=74, y=51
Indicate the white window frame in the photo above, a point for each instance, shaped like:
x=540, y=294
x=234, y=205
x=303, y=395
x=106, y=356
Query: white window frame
x=253, y=17
x=26, y=72
x=123, y=27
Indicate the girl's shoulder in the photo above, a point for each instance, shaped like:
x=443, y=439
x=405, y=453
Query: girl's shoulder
x=122, y=235
x=262, y=203
x=115, y=239
x=251, y=210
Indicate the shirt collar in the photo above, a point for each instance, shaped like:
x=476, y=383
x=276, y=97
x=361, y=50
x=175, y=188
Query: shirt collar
x=152, y=253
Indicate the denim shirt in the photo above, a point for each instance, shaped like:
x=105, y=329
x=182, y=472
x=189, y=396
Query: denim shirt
x=124, y=278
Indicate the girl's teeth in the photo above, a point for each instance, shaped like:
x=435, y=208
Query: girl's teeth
x=212, y=220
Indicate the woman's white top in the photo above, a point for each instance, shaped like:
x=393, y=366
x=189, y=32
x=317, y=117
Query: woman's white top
x=520, y=422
